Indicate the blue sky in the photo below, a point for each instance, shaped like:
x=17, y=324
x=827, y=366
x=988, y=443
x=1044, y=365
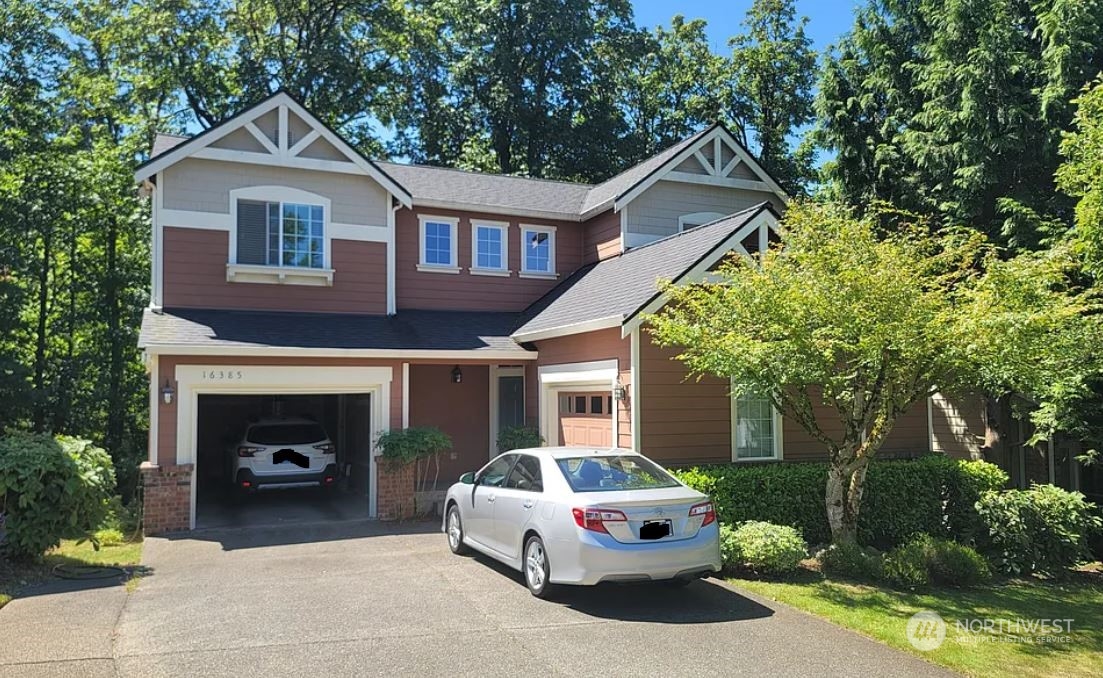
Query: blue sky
x=827, y=19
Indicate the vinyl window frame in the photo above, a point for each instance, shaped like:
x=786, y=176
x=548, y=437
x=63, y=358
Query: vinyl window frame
x=503, y=228
x=527, y=272
x=453, y=223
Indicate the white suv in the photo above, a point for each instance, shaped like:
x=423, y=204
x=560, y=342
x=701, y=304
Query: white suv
x=289, y=452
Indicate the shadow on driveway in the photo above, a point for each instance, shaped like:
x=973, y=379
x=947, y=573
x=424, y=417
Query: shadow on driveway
x=233, y=539
x=702, y=602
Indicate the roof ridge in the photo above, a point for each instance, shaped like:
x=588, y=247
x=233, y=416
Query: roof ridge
x=658, y=153
x=697, y=229
x=486, y=174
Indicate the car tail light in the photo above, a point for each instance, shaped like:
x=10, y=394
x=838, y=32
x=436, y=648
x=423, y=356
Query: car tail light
x=707, y=510
x=329, y=480
x=328, y=448
x=247, y=451
x=594, y=519
x=246, y=483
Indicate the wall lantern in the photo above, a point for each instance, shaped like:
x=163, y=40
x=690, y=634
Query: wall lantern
x=620, y=394
x=457, y=375
x=167, y=392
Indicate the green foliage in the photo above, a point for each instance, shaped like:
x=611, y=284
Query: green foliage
x=925, y=560
x=1081, y=175
x=1043, y=529
x=906, y=566
x=108, y=536
x=519, y=438
x=902, y=498
x=51, y=489
x=409, y=445
x=762, y=547
x=848, y=560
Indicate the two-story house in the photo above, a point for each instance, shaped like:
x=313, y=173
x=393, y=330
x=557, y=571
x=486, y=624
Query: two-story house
x=293, y=275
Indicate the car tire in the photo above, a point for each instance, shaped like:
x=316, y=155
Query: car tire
x=454, y=529
x=536, y=567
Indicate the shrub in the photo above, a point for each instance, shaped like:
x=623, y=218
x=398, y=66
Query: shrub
x=850, y=561
x=108, y=536
x=1043, y=529
x=519, y=438
x=902, y=498
x=906, y=566
x=926, y=559
x=762, y=547
x=51, y=489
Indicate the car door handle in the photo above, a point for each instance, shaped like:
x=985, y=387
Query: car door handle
x=528, y=503
x=490, y=498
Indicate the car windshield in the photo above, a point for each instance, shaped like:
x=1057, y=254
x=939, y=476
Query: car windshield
x=286, y=434
x=613, y=472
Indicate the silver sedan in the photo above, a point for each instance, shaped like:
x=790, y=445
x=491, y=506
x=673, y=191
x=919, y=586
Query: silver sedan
x=569, y=515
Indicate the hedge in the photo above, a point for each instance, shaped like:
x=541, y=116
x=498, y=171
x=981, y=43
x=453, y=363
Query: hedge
x=932, y=495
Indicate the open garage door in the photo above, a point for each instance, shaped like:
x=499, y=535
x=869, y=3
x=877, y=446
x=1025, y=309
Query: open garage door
x=586, y=419
x=282, y=459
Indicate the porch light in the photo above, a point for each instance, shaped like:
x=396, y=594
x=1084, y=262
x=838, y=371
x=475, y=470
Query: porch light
x=167, y=392
x=457, y=375
x=620, y=394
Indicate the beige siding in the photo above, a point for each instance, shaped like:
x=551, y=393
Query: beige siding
x=205, y=185
x=958, y=425
x=655, y=212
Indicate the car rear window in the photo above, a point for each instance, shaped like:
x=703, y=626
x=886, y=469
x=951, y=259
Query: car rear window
x=286, y=434
x=613, y=472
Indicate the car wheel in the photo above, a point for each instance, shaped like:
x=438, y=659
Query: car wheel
x=455, y=532
x=537, y=568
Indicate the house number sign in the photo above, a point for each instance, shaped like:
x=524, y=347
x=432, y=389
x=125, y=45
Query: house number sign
x=223, y=375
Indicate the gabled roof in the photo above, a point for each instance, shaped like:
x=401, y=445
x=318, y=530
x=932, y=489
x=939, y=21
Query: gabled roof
x=242, y=332
x=170, y=153
x=612, y=291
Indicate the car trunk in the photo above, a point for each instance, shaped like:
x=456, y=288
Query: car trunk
x=661, y=514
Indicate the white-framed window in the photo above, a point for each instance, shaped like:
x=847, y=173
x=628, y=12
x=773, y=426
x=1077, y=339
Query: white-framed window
x=490, y=248
x=688, y=221
x=438, y=244
x=756, y=429
x=279, y=234
x=538, y=250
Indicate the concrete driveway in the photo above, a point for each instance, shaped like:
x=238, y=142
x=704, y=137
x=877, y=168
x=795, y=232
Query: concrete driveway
x=362, y=599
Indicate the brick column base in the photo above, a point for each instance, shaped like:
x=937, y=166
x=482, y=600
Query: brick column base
x=166, y=498
x=394, y=491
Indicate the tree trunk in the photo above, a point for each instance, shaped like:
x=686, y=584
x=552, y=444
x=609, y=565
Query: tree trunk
x=845, y=486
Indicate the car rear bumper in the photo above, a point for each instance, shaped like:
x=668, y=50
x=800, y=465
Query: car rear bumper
x=272, y=480
x=596, y=557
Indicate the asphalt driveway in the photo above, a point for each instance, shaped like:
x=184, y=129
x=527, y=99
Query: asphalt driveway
x=361, y=599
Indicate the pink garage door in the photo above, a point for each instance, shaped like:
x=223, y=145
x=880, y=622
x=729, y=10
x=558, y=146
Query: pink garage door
x=586, y=419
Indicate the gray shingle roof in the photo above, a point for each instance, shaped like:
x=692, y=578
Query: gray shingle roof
x=408, y=330
x=621, y=285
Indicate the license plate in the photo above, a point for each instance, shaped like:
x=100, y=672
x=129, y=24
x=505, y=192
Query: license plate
x=655, y=529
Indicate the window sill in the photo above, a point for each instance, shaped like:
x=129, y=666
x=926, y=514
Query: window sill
x=755, y=460
x=495, y=272
x=433, y=268
x=279, y=275
x=538, y=276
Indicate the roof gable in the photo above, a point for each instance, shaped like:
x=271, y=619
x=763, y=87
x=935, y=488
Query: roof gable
x=276, y=131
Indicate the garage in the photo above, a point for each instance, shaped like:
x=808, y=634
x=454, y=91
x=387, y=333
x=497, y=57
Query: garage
x=282, y=458
x=586, y=418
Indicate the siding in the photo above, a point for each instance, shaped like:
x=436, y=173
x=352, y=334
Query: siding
x=205, y=185
x=460, y=410
x=589, y=347
x=466, y=292
x=195, y=277
x=958, y=425
x=601, y=238
x=655, y=212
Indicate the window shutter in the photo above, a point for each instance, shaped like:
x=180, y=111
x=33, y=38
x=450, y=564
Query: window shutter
x=252, y=232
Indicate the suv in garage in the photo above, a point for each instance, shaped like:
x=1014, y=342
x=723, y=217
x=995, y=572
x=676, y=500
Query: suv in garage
x=289, y=452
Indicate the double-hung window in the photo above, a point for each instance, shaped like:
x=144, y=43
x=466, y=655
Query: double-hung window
x=282, y=234
x=489, y=248
x=538, y=250
x=756, y=428
x=438, y=244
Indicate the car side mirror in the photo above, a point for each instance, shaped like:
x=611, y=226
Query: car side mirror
x=468, y=478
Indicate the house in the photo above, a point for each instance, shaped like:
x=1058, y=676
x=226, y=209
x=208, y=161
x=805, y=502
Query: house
x=293, y=275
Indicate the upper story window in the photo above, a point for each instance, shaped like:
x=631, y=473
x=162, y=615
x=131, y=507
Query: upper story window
x=438, y=244
x=538, y=254
x=282, y=229
x=756, y=433
x=489, y=248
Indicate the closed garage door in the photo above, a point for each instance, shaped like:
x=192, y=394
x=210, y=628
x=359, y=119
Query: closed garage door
x=586, y=419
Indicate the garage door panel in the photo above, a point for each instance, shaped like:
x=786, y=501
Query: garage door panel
x=585, y=419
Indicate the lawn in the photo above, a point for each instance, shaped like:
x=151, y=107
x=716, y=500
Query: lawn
x=14, y=576
x=882, y=614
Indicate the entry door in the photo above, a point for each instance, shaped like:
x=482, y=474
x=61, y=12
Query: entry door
x=586, y=419
x=509, y=402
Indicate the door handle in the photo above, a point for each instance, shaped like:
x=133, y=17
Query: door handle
x=528, y=503
x=490, y=498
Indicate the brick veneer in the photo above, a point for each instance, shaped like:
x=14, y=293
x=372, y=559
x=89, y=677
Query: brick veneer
x=167, y=497
x=394, y=491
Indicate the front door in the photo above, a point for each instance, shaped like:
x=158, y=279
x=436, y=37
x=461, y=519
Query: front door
x=509, y=401
x=586, y=419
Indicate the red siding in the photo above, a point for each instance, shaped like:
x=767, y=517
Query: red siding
x=195, y=277
x=601, y=237
x=466, y=292
x=461, y=410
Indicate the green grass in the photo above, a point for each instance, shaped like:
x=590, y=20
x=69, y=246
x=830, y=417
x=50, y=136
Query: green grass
x=14, y=576
x=882, y=614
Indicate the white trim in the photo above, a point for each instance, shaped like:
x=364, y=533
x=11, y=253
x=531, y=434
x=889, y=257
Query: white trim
x=497, y=371
x=698, y=219
x=503, y=211
x=281, y=195
x=392, y=257
x=453, y=223
x=635, y=386
x=732, y=164
x=539, y=276
x=777, y=423
x=268, y=160
x=304, y=143
x=152, y=364
x=490, y=272
x=279, y=275
x=405, y=395
x=283, y=134
x=716, y=154
x=704, y=162
x=358, y=232
x=208, y=221
x=192, y=381
x=157, y=294
x=726, y=182
x=550, y=231
x=566, y=330
x=503, y=228
x=505, y=355
x=261, y=138
x=623, y=230
x=601, y=374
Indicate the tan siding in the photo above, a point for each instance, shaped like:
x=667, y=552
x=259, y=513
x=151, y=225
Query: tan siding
x=195, y=277
x=466, y=292
x=602, y=237
x=460, y=410
x=958, y=425
x=655, y=212
x=240, y=140
x=205, y=185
